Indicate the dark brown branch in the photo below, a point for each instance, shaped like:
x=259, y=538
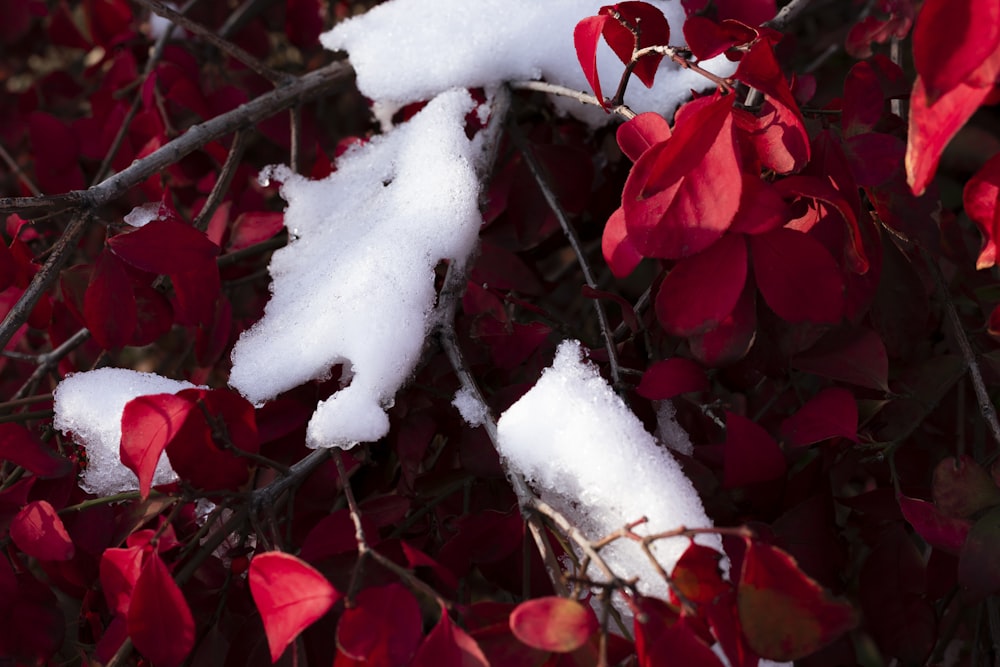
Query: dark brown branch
x=225, y=179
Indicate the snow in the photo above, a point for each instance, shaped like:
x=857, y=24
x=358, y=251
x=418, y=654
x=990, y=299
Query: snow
x=355, y=285
x=473, y=411
x=586, y=454
x=442, y=44
x=143, y=214
x=89, y=406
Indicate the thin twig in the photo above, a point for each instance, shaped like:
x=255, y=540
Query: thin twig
x=46, y=362
x=563, y=91
x=15, y=169
x=225, y=178
x=542, y=178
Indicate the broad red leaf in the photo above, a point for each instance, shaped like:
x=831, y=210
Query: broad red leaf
x=962, y=487
x=149, y=423
x=981, y=198
x=973, y=30
x=732, y=338
x=702, y=290
x=38, y=531
x=119, y=570
x=663, y=639
x=672, y=377
x=586, y=37
x=160, y=623
x=154, y=316
x=707, y=38
x=553, y=623
x=797, y=276
x=682, y=194
x=829, y=414
x=874, y=157
x=750, y=12
x=857, y=357
x=383, y=627
x=620, y=33
x=932, y=127
x=697, y=575
x=751, y=455
x=619, y=251
x=761, y=208
x=448, y=645
x=19, y=447
x=978, y=566
x=785, y=614
x=864, y=103
x=335, y=534
x=109, y=306
x=639, y=134
x=290, y=596
x=165, y=247
x=254, y=227
x=937, y=529
x=196, y=292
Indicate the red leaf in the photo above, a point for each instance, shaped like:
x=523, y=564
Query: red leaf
x=682, y=194
x=940, y=531
x=751, y=454
x=553, y=624
x=874, y=157
x=978, y=566
x=55, y=149
x=641, y=133
x=197, y=292
x=38, y=531
x=858, y=357
x=731, y=340
x=335, y=534
x=864, y=101
x=707, y=39
x=663, y=639
x=149, y=423
x=829, y=414
x=290, y=596
x=254, y=227
x=383, y=627
x=448, y=645
x=981, y=198
x=586, y=37
x=653, y=30
x=20, y=448
x=159, y=619
x=701, y=291
x=973, y=31
x=165, y=247
x=892, y=18
x=797, y=276
x=119, y=570
x=619, y=251
x=109, y=306
x=785, y=614
x=697, y=576
x=932, y=127
x=154, y=316
x=962, y=487
x=672, y=377
x=303, y=22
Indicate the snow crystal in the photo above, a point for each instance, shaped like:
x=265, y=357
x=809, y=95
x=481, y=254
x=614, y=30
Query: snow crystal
x=442, y=44
x=355, y=285
x=473, y=411
x=589, y=456
x=669, y=432
x=89, y=405
x=143, y=214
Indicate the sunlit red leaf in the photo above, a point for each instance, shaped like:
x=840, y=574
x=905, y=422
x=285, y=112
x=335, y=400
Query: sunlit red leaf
x=553, y=624
x=981, y=198
x=785, y=614
x=663, y=638
x=653, y=30
x=19, y=447
x=733, y=337
x=38, y=531
x=290, y=596
x=639, y=134
x=383, y=626
x=109, y=305
x=586, y=37
x=448, y=645
x=672, y=377
x=936, y=528
x=978, y=566
x=682, y=194
x=751, y=454
x=619, y=252
x=962, y=487
x=829, y=414
x=821, y=190
x=797, y=276
x=119, y=570
x=160, y=623
x=149, y=423
x=973, y=29
x=707, y=38
x=697, y=575
x=702, y=290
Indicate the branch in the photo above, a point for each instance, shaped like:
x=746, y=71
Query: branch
x=296, y=92
x=562, y=91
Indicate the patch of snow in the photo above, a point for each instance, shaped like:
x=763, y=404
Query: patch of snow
x=89, y=406
x=473, y=411
x=585, y=452
x=669, y=432
x=143, y=214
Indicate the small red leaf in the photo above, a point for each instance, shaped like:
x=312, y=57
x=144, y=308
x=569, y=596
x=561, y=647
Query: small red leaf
x=672, y=377
x=707, y=39
x=586, y=37
x=384, y=626
x=785, y=614
x=149, y=423
x=799, y=279
x=663, y=638
x=702, y=290
x=553, y=624
x=254, y=227
x=697, y=575
x=38, y=531
x=109, y=306
x=165, y=247
x=981, y=198
x=829, y=414
x=940, y=531
x=619, y=252
x=652, y=28
x=732, y=338
x=19, y=447
x=290, y=596
x=119, y=570
x=448, y=645
x=639, y=134
x=751, y=454
x=160, y=623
